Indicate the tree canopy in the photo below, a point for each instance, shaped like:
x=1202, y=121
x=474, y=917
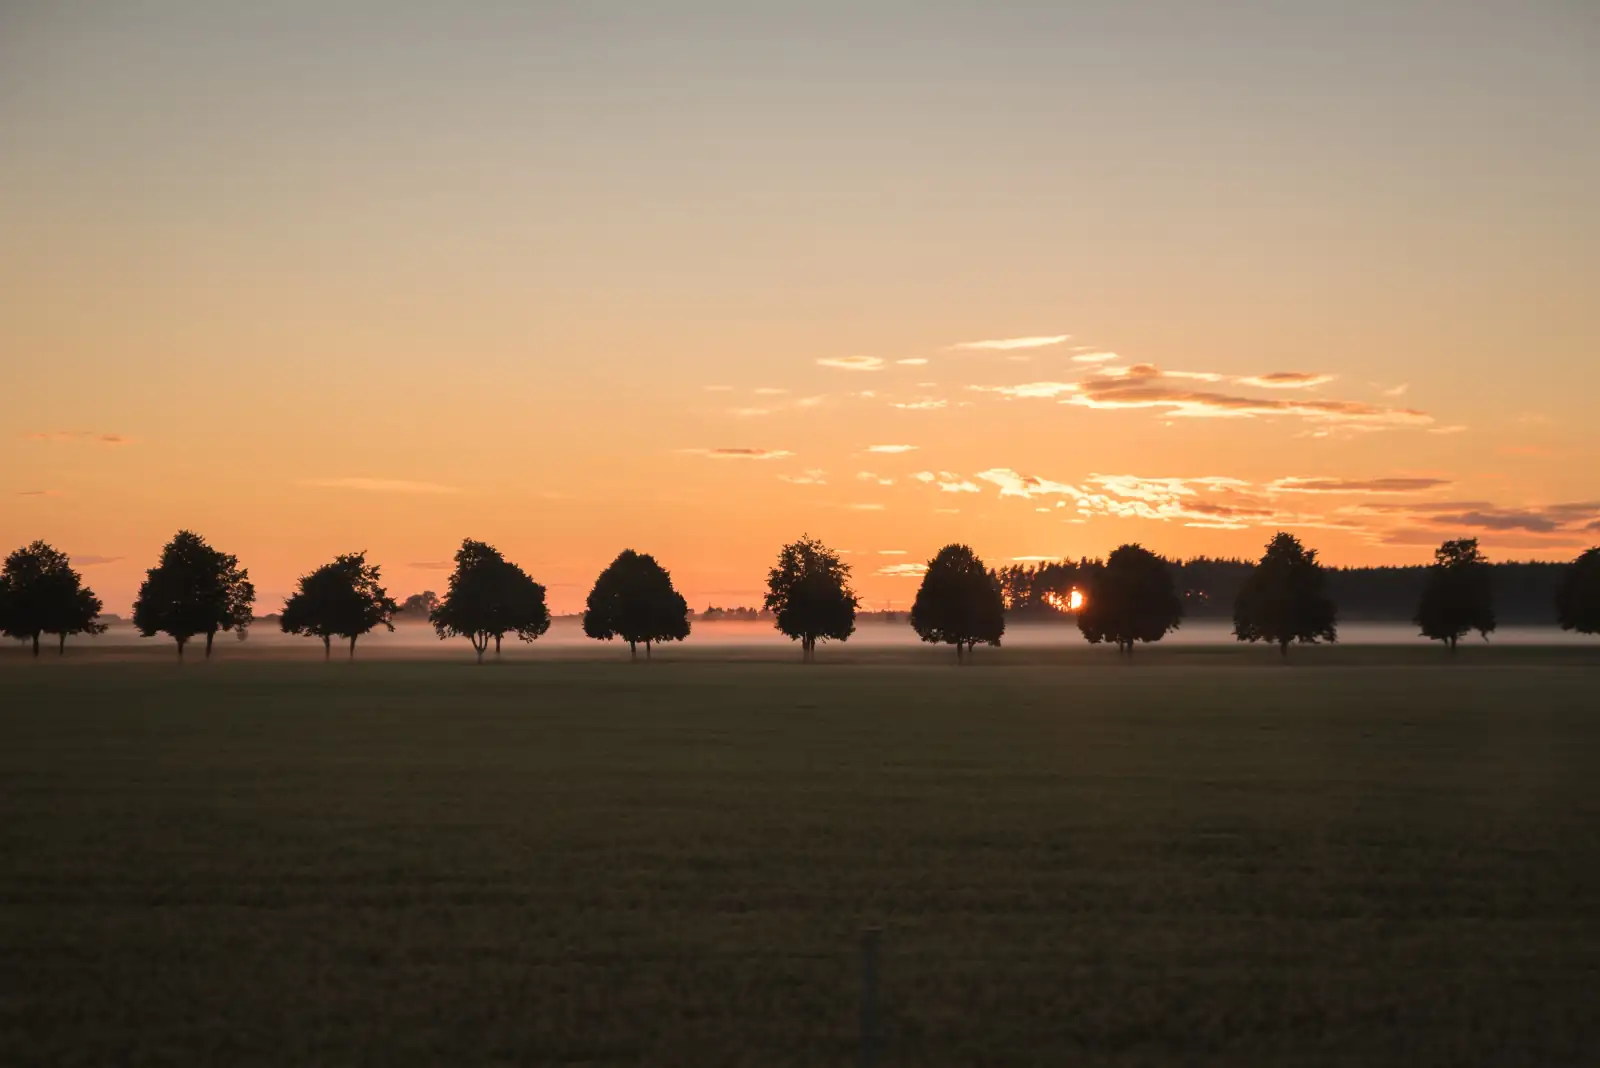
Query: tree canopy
x=41, y=594
x=418, y=605
x=1578, y=599
x=1283, y=601
x=633, y=599
x=194, y=589
x=959, y=602
x=342, y=599
x=809, y=593
x=1456, y=597
x=1131, y=597
x=488, y=598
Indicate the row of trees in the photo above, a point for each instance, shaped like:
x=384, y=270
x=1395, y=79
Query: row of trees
x=1132, y=596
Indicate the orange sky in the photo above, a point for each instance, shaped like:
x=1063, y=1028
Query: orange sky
x=309, y=282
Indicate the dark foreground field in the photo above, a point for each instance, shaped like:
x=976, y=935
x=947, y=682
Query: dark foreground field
x=1075, y=863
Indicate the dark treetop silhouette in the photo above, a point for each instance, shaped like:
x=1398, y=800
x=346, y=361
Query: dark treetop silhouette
x=959, y=602
x=633, y=599
x=1578, y=599
x=1283, y=600
x=193, y=590
x=489, y=597
x=1457, y=597
x=41, y=594
x=343, y=599
x=1131, y=597
x=809, y=593
x=418, y=605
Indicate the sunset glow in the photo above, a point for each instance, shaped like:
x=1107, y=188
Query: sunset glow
x=527, y=276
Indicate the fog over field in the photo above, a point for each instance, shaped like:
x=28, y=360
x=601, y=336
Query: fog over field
x=566, y=637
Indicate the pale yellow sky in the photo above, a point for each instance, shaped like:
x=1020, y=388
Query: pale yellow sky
x=309, y=282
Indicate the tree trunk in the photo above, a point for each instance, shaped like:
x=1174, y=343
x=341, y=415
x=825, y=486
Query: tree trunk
x=62, y=651
x=647, y=648
x=181, y=643
x=633, y=649
x=497, y=646
x=210, y=637
x=327, y=647
x=959, y=653
x=352, y=647
x=36, y=645
x=1452, y=645
x=480, y=649
x=1283, y=649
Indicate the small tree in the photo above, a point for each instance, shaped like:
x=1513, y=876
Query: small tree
x=633, y=599
x=1282, y=600
x=1456, y=597
x=809, y=593
x=959, y=602
x=418, y=605
x=488, y=598
x=1131, y=597
x=1578, y=599
x=343, y=599
x=193, y=590
x=41, y=594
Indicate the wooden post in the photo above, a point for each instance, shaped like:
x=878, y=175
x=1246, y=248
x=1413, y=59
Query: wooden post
x=871, y=941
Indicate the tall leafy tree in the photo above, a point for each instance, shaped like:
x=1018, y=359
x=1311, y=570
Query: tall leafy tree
x=959, y=602
x=418, y=605
x=343, y=599
x=809, y=594
x=41, y=594
x=633, y=599
x=1131, y=597
x=488, y=598
x=1578, y=599
x=1457, y=597
x=193, y=590
x=1283, y=599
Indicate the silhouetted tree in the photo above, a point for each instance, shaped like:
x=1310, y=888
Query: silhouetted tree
x=193, y=590
x=41, y=594
x=489, y=597
x=1578, y=600
x=633, y=599
x=809, y=593
x=1283, y=600
x=959, y=602
x=419, y=605
x=1131, y=597
x=1457, y=597
x=344, y=599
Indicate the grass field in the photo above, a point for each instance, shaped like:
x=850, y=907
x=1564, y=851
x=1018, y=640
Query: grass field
x=1381, y=861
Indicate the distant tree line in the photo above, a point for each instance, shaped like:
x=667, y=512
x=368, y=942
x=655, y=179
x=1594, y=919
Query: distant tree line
x=1524, y=592
x=1131, y=597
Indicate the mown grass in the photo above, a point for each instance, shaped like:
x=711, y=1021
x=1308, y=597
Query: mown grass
x=596, y=863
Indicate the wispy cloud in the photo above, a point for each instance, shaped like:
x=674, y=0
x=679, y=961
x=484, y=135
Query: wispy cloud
x=813, y=477
x=40, y=493
x=769, y=391
x=1355, y=485
x=749, y=413
x=852, y=363
x=891, y=448
x=903, y=570
x=90, y=437
x=93, y=560
x=1396, y=391
x=912, y=361
x=739, y=454
x=865, y=507
x=922, y=404
x=1456, y=429
x=877, y=480
x=1007, y=344
x=1046, y=390
x=1288, y=380
x=431, y=565
x=811, y=402
x=891, y=552
x=379, y=485
x=1146, y=386
x=1096, y=357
